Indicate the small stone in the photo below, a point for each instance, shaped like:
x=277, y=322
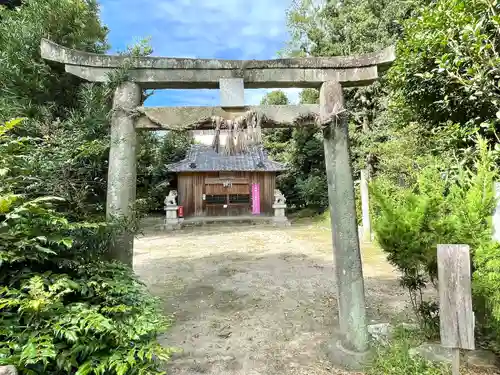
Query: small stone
x=436, y=353
x=432, y=353
x=481, y=359
x=380, y=332
x=383, y=332
x=410, y=326
x=379, y=329
x=8, y=370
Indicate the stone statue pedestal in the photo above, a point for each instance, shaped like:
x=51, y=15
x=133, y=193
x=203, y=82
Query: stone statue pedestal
x=280, y=218
x=172, y=222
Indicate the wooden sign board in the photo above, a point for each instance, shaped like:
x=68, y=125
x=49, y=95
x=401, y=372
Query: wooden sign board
x=455, y=297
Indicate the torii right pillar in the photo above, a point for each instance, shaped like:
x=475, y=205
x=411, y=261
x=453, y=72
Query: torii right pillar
x=347, y=257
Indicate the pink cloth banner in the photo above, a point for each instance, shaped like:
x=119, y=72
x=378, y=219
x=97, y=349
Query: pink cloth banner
x=255, y=199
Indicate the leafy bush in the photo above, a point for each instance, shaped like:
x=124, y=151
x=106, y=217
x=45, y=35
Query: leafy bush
x=63, y=309
x=68, y=120
x=447, y=67
x=312, y=191
x=486, y=288
x=395, y=359
x=32, y=87
x=154, y=181
x=439, y=208
x=404, y=226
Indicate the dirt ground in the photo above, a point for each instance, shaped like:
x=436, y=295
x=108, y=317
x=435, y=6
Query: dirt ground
x=256, y=299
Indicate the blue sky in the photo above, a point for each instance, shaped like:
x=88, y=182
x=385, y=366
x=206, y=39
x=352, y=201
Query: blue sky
x=226, y=29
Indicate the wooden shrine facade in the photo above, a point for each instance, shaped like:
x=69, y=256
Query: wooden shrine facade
x=213, y=184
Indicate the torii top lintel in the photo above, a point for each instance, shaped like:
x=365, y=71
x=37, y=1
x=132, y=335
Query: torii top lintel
x=184, y=73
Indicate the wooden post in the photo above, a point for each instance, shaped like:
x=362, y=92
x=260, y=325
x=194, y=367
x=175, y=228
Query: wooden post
x=455, y=300
x=348, y=268
x=365, y=196
x=365, y=206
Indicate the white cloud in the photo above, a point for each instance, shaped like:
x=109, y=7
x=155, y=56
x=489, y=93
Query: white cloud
x=236, y=29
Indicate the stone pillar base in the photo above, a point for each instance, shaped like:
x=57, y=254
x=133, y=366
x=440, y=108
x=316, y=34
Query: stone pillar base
x=348, y=359
x=280, y=218
x=172, y=222
x=281, y=222
x=171, y=226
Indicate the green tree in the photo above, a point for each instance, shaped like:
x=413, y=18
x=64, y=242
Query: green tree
x=304, y=182
x=441, y=207
x=154, y=181
x=445, y=80
x=346, y=27
x=29, y=86
x=379, y=119
x=446, y=69
x=69, y=120
x=276, y=140
x=63, y=309
x=276, y=97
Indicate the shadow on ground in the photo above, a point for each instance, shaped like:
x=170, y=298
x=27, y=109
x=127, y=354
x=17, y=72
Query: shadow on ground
x=253, y=301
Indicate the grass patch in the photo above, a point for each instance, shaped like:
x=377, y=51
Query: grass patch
x=394, y=358
x=324, y=218
x=308, y=215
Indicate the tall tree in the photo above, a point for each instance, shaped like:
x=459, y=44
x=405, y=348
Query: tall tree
x=304, y=182
x=29, y=86
x=70, y=120
x=347, y=27
x=276, y=140
x=447, y=70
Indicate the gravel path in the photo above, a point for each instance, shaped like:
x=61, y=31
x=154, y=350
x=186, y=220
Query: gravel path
x=255, y=299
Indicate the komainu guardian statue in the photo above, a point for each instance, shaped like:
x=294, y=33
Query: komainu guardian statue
x=279, y=198
x=171, y=199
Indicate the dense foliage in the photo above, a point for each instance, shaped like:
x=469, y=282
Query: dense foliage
x=64, y=310
x=301, y=149
x=438, y=208
x=447, y=65
x=346, y=27
x=153, y=180
x=445, y=80
x=69, y=119
x=340, y=28
x=416, y=129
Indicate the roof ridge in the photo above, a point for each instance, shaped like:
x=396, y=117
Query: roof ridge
x=205, y=159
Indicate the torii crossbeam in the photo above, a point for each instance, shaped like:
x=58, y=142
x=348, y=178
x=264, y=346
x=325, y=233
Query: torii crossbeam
x=329, y=74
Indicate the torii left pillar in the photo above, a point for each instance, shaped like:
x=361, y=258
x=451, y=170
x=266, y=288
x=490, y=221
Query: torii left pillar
x=122, y=170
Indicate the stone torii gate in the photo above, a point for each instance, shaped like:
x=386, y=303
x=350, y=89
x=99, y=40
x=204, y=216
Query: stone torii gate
x=232, y=77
